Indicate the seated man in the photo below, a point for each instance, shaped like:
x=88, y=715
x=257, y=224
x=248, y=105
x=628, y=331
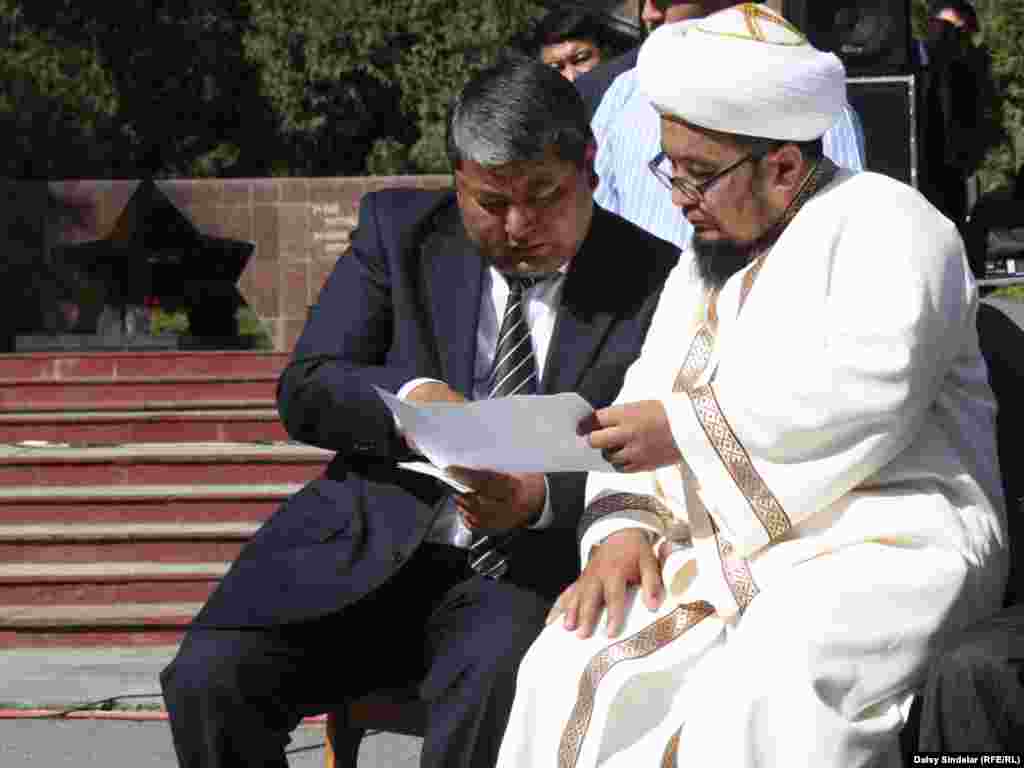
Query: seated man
x=807, y=493
x=363, y=580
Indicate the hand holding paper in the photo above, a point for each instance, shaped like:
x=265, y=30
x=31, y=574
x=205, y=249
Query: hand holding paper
x=535, y=433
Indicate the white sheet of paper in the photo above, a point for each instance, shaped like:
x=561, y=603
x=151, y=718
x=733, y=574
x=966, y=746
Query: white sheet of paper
x=426, y=468
x=521, y=433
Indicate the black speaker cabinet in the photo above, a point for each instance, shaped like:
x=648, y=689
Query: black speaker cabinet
x=872, y=37
x=888, y=109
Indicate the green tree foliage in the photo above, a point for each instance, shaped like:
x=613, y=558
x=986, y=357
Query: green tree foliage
x=1003, y=35
x=238, y=87
x=57, y=100
x=379, y=72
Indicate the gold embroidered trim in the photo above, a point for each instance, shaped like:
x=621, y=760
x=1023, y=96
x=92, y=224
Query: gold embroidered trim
x=752, y=13
x=668, y=760
x=696, y=360
x=736, y=571
x=629, y=502
x=738, y=463
x=645, y=642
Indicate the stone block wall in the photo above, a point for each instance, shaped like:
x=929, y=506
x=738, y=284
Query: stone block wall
x=300, y=227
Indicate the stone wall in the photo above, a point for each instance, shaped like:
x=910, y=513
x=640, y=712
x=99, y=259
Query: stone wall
x=300, y=227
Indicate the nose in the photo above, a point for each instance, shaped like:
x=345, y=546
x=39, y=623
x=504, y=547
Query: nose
x=519, y=220
x=651, y=15
x=684, y=201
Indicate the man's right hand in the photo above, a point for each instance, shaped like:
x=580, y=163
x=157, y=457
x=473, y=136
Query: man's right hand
x=622, y=560
x=434, y=392
x=430, y=392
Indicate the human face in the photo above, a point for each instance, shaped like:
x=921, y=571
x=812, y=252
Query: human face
x=734, y=207
x=526, y=216
x=571, y=57
x=658, y=12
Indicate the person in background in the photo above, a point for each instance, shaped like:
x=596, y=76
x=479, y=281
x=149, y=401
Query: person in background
x=959, y=120
x=574, y=42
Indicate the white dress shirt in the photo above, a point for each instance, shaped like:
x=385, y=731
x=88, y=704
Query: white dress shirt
x=541, y=309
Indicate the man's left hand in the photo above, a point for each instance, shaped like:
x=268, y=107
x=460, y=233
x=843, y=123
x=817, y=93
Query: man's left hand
x=499, y=502
x=633, y=437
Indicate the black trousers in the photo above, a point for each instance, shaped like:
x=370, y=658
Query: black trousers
x=234, y=696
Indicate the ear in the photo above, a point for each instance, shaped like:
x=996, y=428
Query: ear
x=785, y=172
x=589, y=154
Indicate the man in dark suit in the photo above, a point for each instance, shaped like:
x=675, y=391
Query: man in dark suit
x=362, y=579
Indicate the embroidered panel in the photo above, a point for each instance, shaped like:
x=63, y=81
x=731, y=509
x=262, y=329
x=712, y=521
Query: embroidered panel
x=668, y=760
x=629, y=502
x=696, y=361
x=736, y=571
x=738, y=463
x=645, y=642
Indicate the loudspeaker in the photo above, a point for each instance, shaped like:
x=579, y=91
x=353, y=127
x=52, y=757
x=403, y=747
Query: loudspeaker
x=872, y=37
x=888, y=109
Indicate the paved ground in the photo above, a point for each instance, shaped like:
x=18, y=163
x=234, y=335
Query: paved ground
x=54, y=679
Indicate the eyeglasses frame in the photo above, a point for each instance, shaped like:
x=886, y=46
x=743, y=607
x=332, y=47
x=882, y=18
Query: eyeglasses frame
x=697, y=192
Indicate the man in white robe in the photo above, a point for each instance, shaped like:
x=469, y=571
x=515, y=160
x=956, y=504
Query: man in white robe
x=807, y=495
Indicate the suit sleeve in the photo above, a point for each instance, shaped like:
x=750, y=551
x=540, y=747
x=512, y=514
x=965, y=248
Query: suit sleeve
x=325, y=396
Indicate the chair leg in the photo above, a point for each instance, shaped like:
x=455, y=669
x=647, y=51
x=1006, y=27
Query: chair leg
x=342, y=744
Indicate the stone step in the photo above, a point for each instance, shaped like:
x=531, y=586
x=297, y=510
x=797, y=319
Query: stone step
x=160, y=463
x=123, y=542
x=143, y=426
x=110, y=583
x=28, y=395
x=71, y=365
x=79, y=626
x=142, y=503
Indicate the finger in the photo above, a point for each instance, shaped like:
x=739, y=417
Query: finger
x=559, y=608
x=650, y=582
x=611, y=438
x=590, y=607
x=615, y=597
x=496, y=485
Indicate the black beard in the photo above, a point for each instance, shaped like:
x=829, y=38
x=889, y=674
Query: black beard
x=718, y=260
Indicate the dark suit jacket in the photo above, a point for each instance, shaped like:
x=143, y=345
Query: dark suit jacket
x=403, y=303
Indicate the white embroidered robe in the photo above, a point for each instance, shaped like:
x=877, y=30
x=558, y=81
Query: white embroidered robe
x=841, y=493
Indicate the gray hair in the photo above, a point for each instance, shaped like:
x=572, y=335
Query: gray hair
x=514, y=111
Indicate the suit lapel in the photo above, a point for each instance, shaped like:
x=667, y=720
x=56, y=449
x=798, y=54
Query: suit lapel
x=452, y=277
x=582, y=324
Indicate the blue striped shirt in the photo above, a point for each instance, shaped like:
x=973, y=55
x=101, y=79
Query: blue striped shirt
x=628, y=137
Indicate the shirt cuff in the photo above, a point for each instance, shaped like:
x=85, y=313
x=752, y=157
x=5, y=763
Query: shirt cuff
x=409, y=386
x=545, y=514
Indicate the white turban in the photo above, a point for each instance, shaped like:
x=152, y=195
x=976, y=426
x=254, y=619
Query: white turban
x=744, y=70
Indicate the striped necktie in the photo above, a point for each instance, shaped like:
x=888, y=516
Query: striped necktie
x=514, y=373
x=515, y=370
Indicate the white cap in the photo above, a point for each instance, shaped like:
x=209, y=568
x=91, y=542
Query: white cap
x=744, y=70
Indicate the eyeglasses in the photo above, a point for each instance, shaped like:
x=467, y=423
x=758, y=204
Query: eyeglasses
x=694, y=191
